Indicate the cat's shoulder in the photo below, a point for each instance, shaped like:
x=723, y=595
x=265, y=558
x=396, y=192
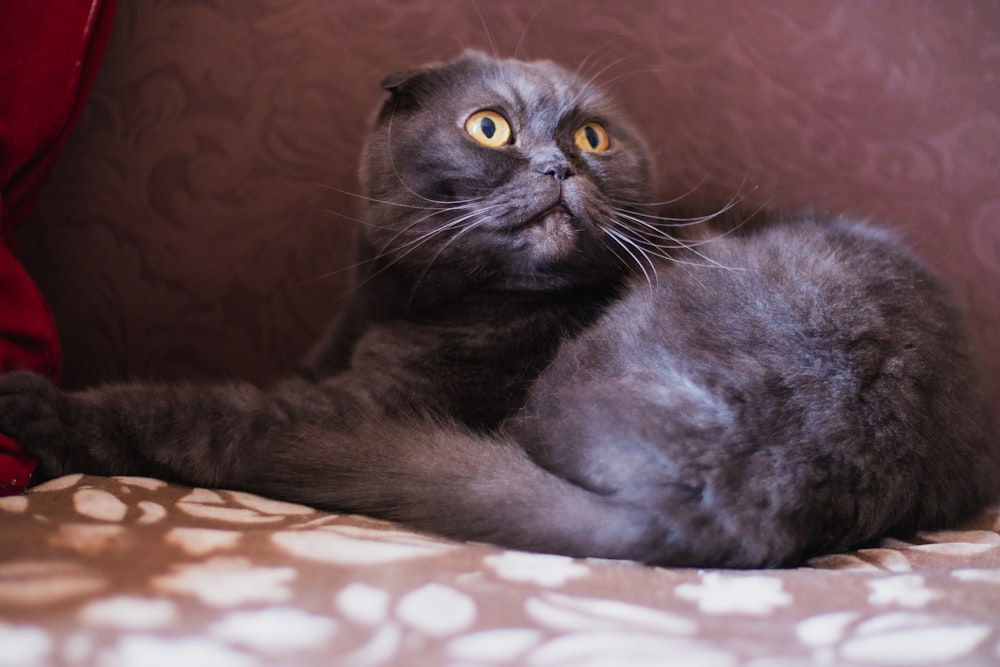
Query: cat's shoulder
x=798, y=248
x=806, y=232
x=800, y=267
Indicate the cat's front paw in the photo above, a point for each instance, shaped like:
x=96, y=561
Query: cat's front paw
x=29, y=414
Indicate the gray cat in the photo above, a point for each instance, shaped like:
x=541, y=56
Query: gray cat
x=532, y=359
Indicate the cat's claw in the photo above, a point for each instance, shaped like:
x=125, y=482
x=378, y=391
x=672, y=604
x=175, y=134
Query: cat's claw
x=29, y=415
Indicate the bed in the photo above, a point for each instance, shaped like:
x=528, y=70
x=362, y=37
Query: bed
x=135, y=571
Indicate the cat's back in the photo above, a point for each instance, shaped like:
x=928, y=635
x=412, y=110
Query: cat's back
x=789, y=294
x=810, y=379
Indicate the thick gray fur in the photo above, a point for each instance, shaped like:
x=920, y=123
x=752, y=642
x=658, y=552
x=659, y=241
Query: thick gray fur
x=532, y=359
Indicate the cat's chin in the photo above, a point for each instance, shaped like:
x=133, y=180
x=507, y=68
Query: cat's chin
x=551, y=235
x=547, y=244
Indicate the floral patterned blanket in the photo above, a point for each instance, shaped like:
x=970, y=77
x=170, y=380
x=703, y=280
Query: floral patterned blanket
x=135, y=571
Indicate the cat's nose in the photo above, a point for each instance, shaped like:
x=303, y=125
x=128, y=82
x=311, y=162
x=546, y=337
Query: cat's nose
x=555, y=165
x=559, y=171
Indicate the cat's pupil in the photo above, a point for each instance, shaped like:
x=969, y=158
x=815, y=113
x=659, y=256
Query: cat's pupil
x=488, y=127
x=592, y=137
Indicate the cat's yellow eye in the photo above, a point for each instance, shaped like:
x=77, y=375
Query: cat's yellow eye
x=592, y=137
x=488, y=128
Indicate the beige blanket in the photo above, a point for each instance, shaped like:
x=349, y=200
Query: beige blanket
x=134, y=571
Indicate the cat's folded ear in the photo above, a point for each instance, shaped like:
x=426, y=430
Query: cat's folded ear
x=401, y=79
x=409, y=86
x=426, y=75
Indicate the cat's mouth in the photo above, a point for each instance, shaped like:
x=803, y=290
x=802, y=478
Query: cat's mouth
x=549, y=220
x=550, y=235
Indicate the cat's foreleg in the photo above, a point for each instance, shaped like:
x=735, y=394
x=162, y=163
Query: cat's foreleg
x=189, y=433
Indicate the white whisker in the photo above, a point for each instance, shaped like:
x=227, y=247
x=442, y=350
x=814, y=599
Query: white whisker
x=579, y=68
x=415, y=243
x=394, y=203
x=589, y=84
x=665, y=202
x=401, y=232
x=624, y=242
x=486, y=29
x=444, y=246
x=524, y=30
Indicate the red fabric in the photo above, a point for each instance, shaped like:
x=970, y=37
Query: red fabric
x=49, y=53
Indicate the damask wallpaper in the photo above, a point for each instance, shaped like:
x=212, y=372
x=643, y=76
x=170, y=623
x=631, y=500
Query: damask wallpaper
x=198, y=225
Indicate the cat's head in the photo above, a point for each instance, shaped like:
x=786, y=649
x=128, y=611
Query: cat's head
x=510, y=173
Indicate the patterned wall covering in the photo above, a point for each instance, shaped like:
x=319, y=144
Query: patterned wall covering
x=189, y=231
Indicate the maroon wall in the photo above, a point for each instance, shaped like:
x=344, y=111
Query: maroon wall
x=187, y=232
